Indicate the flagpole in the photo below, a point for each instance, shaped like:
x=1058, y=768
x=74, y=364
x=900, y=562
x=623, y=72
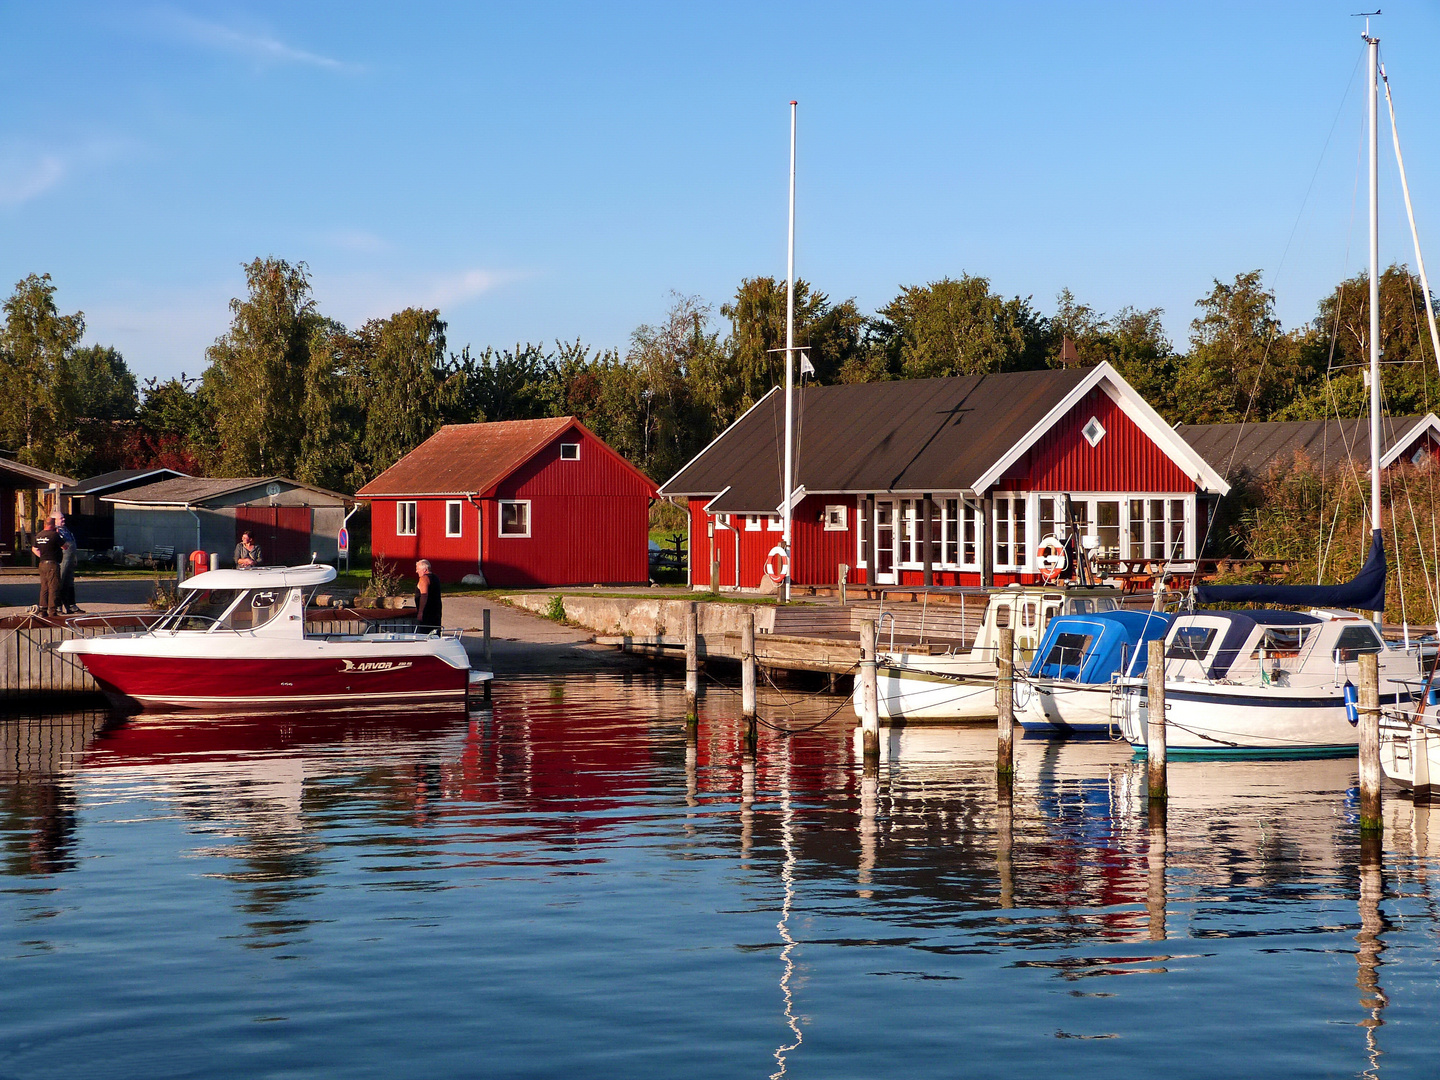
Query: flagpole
x=789, y=478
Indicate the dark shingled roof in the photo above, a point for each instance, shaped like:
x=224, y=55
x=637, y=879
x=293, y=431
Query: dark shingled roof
x=119, y=477
x=17, y=473
x=1247, y=450
x=195, y=490
x=907, y=435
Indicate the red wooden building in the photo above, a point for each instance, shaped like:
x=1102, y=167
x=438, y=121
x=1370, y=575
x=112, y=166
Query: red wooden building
x=946, y=481
x=518, y=502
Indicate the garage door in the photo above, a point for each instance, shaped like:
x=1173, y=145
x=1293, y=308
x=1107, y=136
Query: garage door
x=283, y=532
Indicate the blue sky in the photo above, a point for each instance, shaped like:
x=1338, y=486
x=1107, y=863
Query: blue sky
x=545, y=170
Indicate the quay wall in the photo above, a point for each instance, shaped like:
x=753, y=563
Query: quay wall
x=613, y=615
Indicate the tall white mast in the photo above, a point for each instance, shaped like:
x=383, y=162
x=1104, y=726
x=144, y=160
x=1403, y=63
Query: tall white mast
x=1372, y=101
x=789, y=478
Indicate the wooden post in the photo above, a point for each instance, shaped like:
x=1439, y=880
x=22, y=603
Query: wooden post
x=1155, y=770
x=485, y=628
x=1370, y=743
x=692, y=663
x=869, y=692
x=925, y=540
x=1005, y=708
x=714, y=562
x=986, y=540
x=747, y=666
x=844, y=581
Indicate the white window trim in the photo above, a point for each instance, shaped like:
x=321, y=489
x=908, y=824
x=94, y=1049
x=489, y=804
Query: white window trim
x=752, y=522
x=569, y=445
x=1124, y=497
x=500, y=519
x=401, y=515
x=774, y=523
x=842, y=522
x=459, y=517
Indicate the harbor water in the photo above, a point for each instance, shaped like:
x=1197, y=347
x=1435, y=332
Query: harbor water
x=568, y=886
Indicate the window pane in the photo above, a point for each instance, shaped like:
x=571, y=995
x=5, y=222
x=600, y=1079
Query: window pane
x=952, y=532
x=1019, y=505
x=1047, y=515
x=970, y=535
x=1107, y=527
x=907, y=530
x=1002, y=532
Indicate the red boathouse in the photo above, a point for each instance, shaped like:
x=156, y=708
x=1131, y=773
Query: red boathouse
x=947, y=481
x=516, y=502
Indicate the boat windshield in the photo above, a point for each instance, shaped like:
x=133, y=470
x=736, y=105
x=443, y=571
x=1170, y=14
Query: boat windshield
x=1088, y=605
x=226, y=609
x=1190, y=643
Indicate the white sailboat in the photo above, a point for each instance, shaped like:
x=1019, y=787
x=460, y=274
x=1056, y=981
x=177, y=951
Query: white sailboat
x=1282, y=682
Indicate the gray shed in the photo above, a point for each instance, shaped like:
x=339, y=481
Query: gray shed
x=290, y=520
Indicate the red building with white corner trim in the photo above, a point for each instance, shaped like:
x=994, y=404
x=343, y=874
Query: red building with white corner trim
x=946, y=481
x=517, y=502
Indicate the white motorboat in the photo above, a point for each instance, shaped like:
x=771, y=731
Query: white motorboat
x=237, y=638
x=1266, y=683
x=916, y=686
x=1071, y=687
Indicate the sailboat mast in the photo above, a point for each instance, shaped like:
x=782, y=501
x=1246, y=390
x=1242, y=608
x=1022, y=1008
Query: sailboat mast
x=1372, y=101
x=789, y=478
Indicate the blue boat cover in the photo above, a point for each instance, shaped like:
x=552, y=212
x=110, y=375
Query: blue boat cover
x=1364, y=592
x=1092, y=647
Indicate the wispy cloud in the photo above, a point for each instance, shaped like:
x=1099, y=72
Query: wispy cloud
x=359, y=241
x=258, y=46
x=28, y=171
x=354, y=297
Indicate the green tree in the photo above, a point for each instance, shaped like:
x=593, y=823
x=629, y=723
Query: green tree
x=1241, y=363
x=102, y=384
x=1133, y=342
x=256, y=377
x=959, y=327
x=407, y=384
x=333, y=414
x=37, y=390
x=753, y=359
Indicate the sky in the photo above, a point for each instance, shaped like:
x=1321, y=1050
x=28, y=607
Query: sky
x=551, y=171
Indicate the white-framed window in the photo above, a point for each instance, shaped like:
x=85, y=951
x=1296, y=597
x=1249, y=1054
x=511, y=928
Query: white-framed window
x=1125, y=526
x=452, y=517
x=752, y=522
x=1011, y=532
x=404, y=519
x=569, y=451
x=774, y=524
x=836, y=518
x=958, y=532
x=1093, y=431
x=514, y=517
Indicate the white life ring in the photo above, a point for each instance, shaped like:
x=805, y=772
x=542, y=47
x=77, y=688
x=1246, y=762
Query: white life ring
x=1051, y=558
x=777, y=564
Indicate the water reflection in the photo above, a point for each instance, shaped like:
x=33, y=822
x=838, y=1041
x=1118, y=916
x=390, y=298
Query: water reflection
x=584, y=806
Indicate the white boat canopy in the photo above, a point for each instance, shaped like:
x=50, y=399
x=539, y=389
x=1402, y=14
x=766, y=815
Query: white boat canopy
x=263, y=577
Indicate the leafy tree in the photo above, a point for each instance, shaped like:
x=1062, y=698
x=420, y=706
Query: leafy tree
x=959, y=327
x=1133, y=342
x=256, y=377
x=37, y=394
x=102, y=384
x=173, y=429
x=406, y=383
x=1241, y=363
x=333, y=414
x=504, y=384
x=753, y=360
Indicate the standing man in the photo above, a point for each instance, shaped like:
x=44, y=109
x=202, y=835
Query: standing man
x=247, y=552
x=68, y=559
x=427, y=598
x=48, y=548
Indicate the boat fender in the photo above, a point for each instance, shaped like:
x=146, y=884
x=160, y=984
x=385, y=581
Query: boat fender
x=1352, y=703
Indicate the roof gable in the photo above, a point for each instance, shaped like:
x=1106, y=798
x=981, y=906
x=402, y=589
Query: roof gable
x=471, y=459
x=954, y=434
x=1249, y=449
x=197, y=490
x=29, y=476
x=121, y=477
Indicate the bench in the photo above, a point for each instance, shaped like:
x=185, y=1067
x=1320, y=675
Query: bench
x=160, y=557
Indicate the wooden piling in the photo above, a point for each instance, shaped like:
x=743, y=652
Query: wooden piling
x=1370, y=820
x=692, y=663
x=869, y=693
x=1005, y=707
x=485, y=627
x=1157, y=779
x=714, y=565
x=747, y=665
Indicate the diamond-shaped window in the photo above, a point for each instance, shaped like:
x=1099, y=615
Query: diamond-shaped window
x=1094, y=431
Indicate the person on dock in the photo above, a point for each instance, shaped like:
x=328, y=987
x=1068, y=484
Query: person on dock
x=48, y=549
x=247, y=552
x=70, y=555
x=427, y=598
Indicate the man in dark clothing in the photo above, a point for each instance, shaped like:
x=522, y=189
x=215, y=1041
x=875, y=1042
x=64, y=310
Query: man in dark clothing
x=69, y=557
x=427, y=598
x=48, y=549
